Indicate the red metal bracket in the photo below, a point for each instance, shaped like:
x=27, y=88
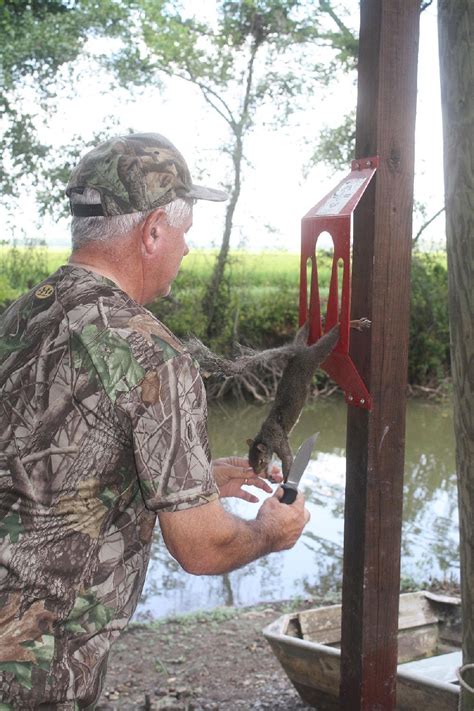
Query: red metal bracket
x=333, y=214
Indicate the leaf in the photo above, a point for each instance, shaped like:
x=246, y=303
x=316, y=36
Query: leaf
x=167, y=350
x=75, y=628
x=43, y=650
x=11, y=344
x=111, y=358
x=107, y=497
x=21, y=670
x=11, y=526
x=91, y=612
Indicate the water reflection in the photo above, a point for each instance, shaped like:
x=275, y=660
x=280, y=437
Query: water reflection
x=314, y=565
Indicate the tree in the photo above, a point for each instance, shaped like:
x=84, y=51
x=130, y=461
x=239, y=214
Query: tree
x=40, y=38
x=456, y=27
x=254, y=54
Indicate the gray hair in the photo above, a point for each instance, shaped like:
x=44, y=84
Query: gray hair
x=103, y=229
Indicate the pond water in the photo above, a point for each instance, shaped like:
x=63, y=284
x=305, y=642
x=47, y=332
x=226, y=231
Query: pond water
x=430, y=538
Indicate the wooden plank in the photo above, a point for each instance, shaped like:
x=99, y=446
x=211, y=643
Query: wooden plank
x=381, y=287
x=323, y=624
x=418, y=642
x=415, y=610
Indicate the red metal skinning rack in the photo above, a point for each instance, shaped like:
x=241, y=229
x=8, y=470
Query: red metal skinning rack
x=333, y=214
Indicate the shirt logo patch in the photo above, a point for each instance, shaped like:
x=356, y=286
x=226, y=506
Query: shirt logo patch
x=44, y=292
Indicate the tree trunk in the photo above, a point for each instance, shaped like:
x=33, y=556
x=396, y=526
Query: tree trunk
x=214, y=300
x=456, y=28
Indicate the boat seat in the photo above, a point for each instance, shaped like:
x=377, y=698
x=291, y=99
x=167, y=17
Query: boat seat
x=441, y=668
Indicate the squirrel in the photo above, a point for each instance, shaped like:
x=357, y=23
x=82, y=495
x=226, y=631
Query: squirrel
x=292, y=391
x=290, y=398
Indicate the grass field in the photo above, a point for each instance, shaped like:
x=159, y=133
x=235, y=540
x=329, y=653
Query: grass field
x=261, y=295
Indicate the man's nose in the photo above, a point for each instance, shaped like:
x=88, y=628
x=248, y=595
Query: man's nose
x=186, y=249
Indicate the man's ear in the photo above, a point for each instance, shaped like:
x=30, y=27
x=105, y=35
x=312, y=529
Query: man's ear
x=152, y=228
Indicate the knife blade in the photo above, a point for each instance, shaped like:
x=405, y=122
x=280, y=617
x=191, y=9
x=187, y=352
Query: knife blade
x=300, y=462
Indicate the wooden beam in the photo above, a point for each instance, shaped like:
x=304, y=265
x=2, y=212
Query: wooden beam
x=381, y=290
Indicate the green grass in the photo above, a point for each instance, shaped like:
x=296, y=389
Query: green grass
x=261, y=299
x=258, y=269
x=56, y=258
x=254, y=270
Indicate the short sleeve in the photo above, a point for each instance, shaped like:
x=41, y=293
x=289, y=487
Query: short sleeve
x=167, y=420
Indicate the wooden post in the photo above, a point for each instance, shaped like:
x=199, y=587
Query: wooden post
x=381, y=290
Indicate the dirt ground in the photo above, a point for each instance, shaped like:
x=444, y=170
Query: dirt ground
x=215, y=660
x=209, y=660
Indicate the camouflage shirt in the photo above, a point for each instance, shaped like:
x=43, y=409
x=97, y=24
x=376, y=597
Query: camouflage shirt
x=102, y=424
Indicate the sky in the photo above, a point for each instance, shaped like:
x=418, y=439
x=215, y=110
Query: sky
x=277, y=190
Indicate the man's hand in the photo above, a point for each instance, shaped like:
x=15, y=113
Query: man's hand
x=284, y=522
x=231, y=473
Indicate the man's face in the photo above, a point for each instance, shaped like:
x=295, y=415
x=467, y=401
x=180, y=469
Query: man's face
x=170, y=249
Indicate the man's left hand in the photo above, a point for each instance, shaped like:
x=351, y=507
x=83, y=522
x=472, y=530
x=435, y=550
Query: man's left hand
x=231, y=473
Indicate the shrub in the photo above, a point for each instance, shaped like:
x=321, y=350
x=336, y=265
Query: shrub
x=21, y=268
x=429, y=358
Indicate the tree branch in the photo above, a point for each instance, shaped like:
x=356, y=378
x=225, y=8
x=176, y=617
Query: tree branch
x=427, y=224
x=207, y=92
x=326, y=7
x=36, y=456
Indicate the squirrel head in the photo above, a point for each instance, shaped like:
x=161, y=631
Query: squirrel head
x=260, y=456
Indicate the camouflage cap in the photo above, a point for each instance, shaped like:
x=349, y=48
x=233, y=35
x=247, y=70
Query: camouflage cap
x=134, y=173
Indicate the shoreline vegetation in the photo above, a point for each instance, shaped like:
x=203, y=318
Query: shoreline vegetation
x=260, y=310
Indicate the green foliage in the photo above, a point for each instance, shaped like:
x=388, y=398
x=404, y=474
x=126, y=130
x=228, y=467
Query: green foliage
x=21, y=671
x=21, y=267
x=264, y=307
x=11, y=526
x=191, y=619
x=262, y=300
x=107, y=356
x=263, y=303
x=88, y=614
x=255, y=53
x=429, y=358
x=336, y=145
x=250, y=55
x=39, y=39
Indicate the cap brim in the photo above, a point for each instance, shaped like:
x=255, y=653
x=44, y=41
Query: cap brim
x=199, y=192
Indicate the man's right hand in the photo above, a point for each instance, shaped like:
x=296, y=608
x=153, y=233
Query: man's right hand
x=283, y=523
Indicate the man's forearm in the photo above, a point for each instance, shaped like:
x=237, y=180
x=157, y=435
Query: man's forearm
x=241, y=542
x=208, y=540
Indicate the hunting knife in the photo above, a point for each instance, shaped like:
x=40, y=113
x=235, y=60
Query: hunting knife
x=300, y=462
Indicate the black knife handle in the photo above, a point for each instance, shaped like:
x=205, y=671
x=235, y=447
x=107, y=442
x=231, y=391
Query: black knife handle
x=289, y=494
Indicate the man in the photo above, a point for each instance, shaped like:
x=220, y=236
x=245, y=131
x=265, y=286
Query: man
x=103, y=428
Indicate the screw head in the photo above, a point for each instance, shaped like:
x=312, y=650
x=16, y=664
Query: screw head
x=350, y=398
x=362, y=401
x=368, y=163
x=357, y=165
